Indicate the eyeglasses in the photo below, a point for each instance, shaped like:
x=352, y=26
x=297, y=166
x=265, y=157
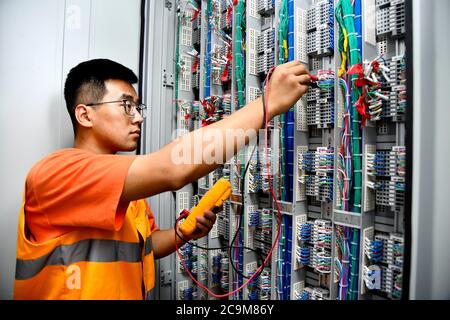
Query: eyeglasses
x=129, y=106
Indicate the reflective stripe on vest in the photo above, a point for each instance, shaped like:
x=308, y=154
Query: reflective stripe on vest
x=92, y=250
x=148, y=246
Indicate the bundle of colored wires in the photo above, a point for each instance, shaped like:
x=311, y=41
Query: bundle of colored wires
x=375, y=78
x=354, y=267
x=351, y=56
x=344, y=151
x=342, y=260
x=373, y=250
x=239, y=53
x=265, y=285
x=207, y=78
x=283, y=31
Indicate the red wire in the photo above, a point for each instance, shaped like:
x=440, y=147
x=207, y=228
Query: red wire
x=276, y=204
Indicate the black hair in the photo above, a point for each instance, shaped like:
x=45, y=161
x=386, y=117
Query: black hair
x=85, y=83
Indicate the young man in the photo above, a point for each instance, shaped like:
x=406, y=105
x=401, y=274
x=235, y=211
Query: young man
x=85, y=231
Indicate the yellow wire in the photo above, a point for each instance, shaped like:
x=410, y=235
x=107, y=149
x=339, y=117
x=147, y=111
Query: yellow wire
x=345, y=40
x=344, y=54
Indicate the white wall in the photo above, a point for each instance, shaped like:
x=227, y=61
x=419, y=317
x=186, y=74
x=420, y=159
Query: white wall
x=40, y=41
x=430, y=264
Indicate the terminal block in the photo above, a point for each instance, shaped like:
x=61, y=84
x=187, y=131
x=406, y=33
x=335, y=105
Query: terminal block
x=265, y=48
x=318, y=178
x=320, y=101
x=391, y=18
x=388, y=168
x=266, y=8
x=320, y=29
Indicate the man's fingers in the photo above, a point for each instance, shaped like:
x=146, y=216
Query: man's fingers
x=202, y=229
x=210, y=215
x=203, y=221
x=299, y=70
x=291, y=64
x=206, y=221
x=217, y=209
x=304, y=79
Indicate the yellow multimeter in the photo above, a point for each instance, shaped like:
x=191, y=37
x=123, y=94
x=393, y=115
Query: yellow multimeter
x=215, y=197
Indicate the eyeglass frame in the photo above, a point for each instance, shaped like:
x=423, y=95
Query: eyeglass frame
x=138, y=107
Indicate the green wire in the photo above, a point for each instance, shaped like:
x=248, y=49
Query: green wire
x=354, y=267
x=283, y=31
x=239, y=54
x=345, y=9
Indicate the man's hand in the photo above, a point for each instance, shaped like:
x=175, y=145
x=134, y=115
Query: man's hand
x=204, y=224
x=289, y=82
x=163, y=240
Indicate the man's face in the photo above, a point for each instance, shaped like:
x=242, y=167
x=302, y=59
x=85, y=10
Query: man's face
x=112, y=126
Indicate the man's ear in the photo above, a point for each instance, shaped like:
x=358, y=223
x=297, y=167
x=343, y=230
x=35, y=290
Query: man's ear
x=82, y=113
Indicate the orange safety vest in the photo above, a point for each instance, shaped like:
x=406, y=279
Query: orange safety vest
x=88, y=263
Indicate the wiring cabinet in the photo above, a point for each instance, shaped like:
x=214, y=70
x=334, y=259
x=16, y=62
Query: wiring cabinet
x=336, y=161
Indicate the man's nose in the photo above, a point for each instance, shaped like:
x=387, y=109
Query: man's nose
x=138, y=118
